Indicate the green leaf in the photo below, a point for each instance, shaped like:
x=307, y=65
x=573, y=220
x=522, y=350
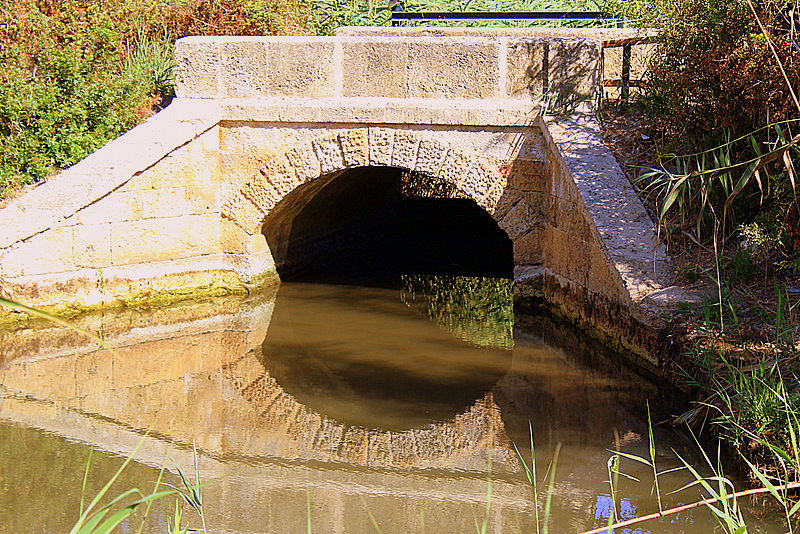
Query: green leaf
x=635, y=458
x=92, y=523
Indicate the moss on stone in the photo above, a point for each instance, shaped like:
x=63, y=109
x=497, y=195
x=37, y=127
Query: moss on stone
x=224, y=285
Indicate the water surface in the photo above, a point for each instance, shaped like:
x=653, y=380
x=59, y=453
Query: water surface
x=333, y=403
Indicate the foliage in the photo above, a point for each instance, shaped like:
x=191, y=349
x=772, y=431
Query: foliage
x=418, y=185
x=714, y=68
x=78, y=73
x=714, y=189
x=740, y=266
x=724, y=74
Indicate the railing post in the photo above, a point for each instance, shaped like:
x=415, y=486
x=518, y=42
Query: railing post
x=626, y=74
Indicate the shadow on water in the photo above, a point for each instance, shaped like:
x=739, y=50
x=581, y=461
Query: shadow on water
x=362, y=357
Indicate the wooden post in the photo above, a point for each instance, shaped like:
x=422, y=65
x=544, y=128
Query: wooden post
x=626, y=74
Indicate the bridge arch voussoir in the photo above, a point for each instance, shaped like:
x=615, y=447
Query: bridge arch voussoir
x=248, y=206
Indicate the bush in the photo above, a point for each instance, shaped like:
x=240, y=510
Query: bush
x=78, y=73
x=714, y=68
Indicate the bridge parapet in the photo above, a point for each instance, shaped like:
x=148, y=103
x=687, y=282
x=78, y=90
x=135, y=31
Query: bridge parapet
x=474, y=67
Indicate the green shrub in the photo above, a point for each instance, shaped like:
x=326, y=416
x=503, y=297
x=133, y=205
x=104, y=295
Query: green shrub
x=78, y=73
x=741, y=266
x=714, y=69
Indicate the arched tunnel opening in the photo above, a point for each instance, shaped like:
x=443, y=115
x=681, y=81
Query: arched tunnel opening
x=370, y=225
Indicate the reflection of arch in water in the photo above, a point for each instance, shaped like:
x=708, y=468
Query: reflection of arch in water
x=465, y=442
x=362, y=357
x=224, y=400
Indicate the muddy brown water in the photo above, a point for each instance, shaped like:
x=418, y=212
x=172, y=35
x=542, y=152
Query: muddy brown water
x=345, y=406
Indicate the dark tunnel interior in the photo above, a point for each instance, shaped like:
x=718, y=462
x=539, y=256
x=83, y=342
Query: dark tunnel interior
x=366, y=226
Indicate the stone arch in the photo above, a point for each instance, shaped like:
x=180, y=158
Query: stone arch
x=248, y=206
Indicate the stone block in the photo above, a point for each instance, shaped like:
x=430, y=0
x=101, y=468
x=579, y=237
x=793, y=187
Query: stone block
x=198, y=63
x=375, y=68
x=355, y=147
x=404, y=149
x=567, y=256
x=500, y=203
x=525, y=60
x=164, y=239
x=521, y=219
x=573, y=69
x=92, y=245
x=329, y=154
x=467, y=174
x=430, y=157
x=241, y=210
x=453, y=68
x=528, y=248
x=301, y=67
x=305, y=163
x=262, y=192
x=282, y=173
x=526, y=175
x=244, y=68
x=49, y=252
x=603, y=278
x=380, y=146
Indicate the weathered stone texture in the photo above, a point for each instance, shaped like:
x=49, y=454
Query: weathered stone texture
x=329, y=154
x=198, y=68
x=244, y=67
x=305, y=163
x=262, y=192
x=241, y=210
x=48, y=252
x=380, y=146
x=457, y=68
x=525, y=60
x=573, y=68
x=375, y=68
x=355, y=147
x=301, y=67
x=165, y=238
x=92, y=245
x=526, y=175
x=404, y=150
x=430, y=157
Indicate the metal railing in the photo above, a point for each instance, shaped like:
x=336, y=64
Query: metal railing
x=399, y=15
x=624, y=83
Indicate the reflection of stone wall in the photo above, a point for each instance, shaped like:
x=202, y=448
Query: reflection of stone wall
x=197, y=378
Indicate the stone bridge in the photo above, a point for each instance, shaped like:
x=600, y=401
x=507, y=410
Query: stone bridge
x=204, y=197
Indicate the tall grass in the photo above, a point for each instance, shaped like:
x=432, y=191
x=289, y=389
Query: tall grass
x=543, y=521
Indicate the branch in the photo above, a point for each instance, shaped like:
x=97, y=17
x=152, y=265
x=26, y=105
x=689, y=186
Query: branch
x=656, y=515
